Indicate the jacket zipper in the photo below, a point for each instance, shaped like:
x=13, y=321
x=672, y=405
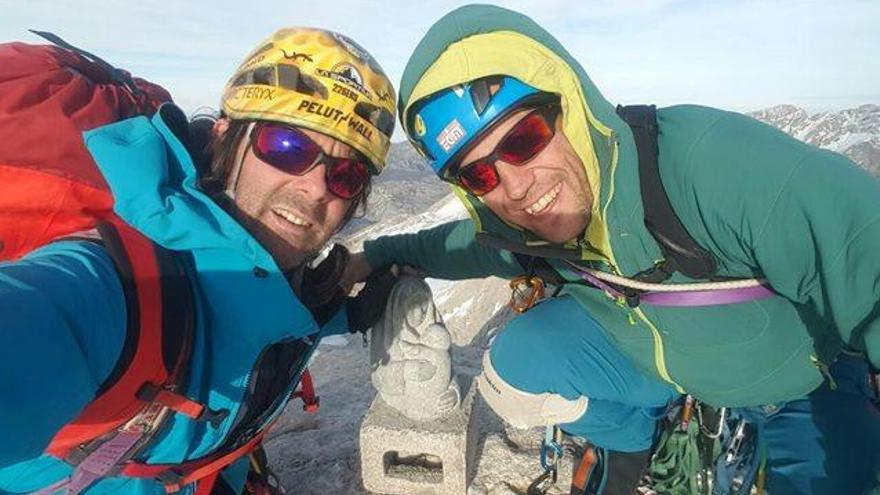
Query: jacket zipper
x=659, y=352
x=253, y=417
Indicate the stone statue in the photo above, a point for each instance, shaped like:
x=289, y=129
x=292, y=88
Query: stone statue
x=410, y=354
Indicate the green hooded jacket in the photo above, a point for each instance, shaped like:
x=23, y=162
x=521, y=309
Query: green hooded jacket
x=765, y=204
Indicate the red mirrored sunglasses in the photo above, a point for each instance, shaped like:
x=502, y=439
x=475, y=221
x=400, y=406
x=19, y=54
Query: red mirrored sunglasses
x=518, y=146
x=291, y=151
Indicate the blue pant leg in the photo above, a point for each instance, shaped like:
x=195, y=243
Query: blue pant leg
x=558, y=348
x=827, y=442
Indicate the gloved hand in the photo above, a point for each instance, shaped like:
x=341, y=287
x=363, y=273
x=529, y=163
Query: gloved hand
x=365, y=309
x=357, y=269
x=318, y=288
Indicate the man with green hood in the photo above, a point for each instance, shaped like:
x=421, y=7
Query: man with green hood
x=550, y=174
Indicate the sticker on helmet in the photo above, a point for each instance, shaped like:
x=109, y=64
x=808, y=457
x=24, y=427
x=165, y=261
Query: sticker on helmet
x=294, y=56
x=346, y=92
x=419, y=126
x=450, y=135
x=358, y=52
x=259, y=51
x=384, y=96
x=351, y=47
x=458, y=90
x=347, y=74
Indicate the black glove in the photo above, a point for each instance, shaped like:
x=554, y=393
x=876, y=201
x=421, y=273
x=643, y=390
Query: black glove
x=365, y=309
x=319, y=288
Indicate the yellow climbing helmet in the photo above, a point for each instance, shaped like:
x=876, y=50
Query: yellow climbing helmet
x=319, y=80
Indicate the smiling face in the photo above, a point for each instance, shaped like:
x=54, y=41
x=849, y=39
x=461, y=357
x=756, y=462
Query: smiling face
x=549, y=195
x=292, y=216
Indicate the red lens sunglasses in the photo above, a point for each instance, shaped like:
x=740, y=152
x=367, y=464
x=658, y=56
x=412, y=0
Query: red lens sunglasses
x=291, y=151
x=518, y=146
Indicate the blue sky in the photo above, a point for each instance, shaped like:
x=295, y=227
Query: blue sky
x=742, y=55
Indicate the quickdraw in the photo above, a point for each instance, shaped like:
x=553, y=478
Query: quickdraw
x=551, y=453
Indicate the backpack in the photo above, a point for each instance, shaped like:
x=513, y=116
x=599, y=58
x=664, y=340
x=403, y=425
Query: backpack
x=49, y=95
x=52, y=189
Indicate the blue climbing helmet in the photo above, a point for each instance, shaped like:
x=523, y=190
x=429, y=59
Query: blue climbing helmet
x=445, y=124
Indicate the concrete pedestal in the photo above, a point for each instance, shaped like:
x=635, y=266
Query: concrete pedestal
x=402, y=456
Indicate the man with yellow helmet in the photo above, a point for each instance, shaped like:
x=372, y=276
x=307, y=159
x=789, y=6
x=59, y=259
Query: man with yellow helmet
x=302, y=87
x=306, y=122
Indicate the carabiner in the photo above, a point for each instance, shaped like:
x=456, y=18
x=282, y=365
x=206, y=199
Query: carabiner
x=526, y=291
x=551, y=448
x=551, y=452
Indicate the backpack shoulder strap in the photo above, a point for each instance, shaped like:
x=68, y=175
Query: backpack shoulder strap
x=681, y=252
x=158, y=344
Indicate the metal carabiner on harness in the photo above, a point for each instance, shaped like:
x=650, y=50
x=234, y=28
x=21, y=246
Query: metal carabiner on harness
x=551, y=453
x=526, y=291
x=722, y=413
x=736, y=442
